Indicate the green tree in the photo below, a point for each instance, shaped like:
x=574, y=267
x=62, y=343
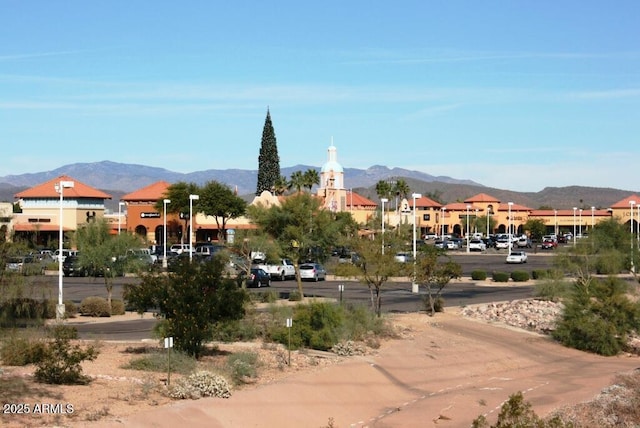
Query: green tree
x=372, y=267
x=383, y=189
x=536, y=227
x=268, y=160
x=481, y=224
x=280, y=185
x=179, y=193
x=219, y=201
x=301, y=228
x=103, y=255
x=192, y=299
x=434, y=273
x=297, y=181
x=311, y=177
x=401, y=188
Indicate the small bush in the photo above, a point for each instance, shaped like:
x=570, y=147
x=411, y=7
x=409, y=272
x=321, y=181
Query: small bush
x=520, y=276
x=479, y=275
x=609, y=262
x=500, y=276
x=516, y=412
x=95, y=307
x=539, y=274
x=235, y=330
x=438, y=304
x=295, y=296
x=117, y=307
x=157, y=360
x=348, y=348
x=20, y=350
x=60, y=361
x=242, y=366
x=201, y=384
x=552, y=289
x=265, y=296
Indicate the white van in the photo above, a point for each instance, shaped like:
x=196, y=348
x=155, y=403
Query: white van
x=180, y=248
x=65, y=253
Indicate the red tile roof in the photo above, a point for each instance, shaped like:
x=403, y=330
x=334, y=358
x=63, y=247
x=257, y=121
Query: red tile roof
x=625, y=202
x=48, y=190
x=152, y=192
x=424, y=202
x=481, y=197
x=353, y=199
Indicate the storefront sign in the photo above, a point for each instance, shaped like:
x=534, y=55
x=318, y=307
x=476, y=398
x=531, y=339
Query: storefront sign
x=150, y=215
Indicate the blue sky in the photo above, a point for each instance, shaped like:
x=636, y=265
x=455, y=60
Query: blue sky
x=516, y=95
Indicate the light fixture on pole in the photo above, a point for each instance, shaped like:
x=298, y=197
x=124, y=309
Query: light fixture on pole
x=414, y=285
x=383, y=201
x=593, y=218
x=580, y=223
x=443, y=209
x=468, y=250
x=510, y=204
x=120, y=205
x=574, y=226
x=63, y=184
x=475, y=222
x=164, y=229
x=488, y=219
x=191, y=199
x=632, y=203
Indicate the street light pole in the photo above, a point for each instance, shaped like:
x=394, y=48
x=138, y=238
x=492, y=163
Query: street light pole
x=488, y=220
x=468, y=206
x=120, y=205
x=443, y=209
x=580, y=229
x=632, y=203
x=555, y=223
x=414, y=285
x=191, y=199
x=475, y=222
x=164, y=228
x=510, y=204
x=383, y=201
x=574, y=226
x=60, y=189
x=593, y=219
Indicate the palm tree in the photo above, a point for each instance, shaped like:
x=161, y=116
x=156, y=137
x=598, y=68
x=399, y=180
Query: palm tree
x=311, y=177
x=280, y=185
x=297, y=181
x=402, y=188
x=383, y=189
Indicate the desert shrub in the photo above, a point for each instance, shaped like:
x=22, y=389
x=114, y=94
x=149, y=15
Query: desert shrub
x=479, y=275
x=348, y=348
x=60, y=360
x=70, y=308
x=21, y=311
x=598, y=316
x=95, y=307
x=438, y=303
x=117, y=307
x=520, y=276
x=609, y=262
x=201, y=384
x=539, y=273
x=516, y=412
x=552, y=289
x=235, y=330
x=359, y=323
x=242, y=366
x=265, y=296
x=21, y=349
x=295, y=296
x=156, y=360
x=500, y=276
x=316, y=326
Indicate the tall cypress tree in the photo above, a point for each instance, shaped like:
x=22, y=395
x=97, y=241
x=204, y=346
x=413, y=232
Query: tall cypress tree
x=268, y=161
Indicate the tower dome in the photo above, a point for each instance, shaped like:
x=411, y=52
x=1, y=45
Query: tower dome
x=332, y=164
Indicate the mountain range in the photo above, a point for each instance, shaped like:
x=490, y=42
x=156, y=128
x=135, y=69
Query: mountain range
x=118, y=179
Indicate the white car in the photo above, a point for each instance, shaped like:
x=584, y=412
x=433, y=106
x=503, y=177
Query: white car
x=517, y=257
x=477, y=245
x=312, y=272
x=403, y=257
x=503, y=243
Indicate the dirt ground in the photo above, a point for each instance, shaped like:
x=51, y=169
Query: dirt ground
x=440, y=372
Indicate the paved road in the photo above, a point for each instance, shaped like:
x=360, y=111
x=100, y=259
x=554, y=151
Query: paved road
x=396, y=296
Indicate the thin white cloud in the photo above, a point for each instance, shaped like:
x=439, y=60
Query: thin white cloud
x=430, y=112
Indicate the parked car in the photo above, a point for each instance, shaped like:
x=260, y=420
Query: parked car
x=180, y=248
x=403, y=257
x=524, y=242
x=477, y=245
x=548, y=244
x=517, y=257
x=71, y=267
x=258, y=278
x=503, y=243
x=56, y=255
x=26, y=265
x=312, y=271
x=428, y=236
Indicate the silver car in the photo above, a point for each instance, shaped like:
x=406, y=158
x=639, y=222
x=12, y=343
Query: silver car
x=312, y=272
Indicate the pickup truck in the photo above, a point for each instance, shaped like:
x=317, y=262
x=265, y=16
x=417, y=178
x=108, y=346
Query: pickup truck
x=281, y=270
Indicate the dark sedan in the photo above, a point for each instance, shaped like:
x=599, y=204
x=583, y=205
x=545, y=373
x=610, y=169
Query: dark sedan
x=258, y=278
